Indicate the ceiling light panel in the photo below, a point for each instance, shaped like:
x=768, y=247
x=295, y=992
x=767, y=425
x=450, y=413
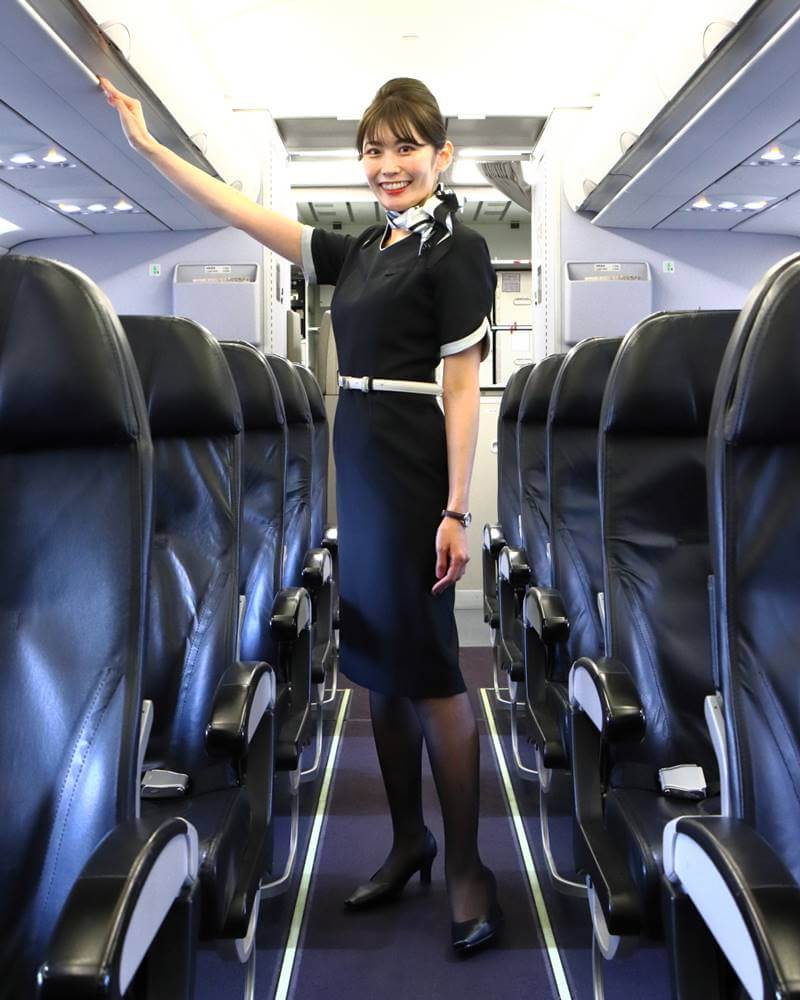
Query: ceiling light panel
x=33, y=164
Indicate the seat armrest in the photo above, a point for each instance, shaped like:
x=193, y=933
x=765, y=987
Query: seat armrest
x=245, y=694
x=330, y=539
x=604, y=691
x=544, y=612
x=746, y=896
x=513, y=568
x=493, y=539
x=317, y=570
x=291, y=614
x=116, y=907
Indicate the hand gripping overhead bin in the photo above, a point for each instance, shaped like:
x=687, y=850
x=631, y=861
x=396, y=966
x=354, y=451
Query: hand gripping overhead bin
x=224, y=298
x=605, y=299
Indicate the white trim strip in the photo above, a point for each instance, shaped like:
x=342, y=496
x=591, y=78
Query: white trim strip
x=518, y=827
x=455, y=346
x=292, y=942
x=307, y=256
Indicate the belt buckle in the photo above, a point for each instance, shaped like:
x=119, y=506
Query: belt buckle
x=366, y=383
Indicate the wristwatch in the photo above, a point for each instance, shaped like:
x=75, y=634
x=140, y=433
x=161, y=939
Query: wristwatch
x=465, y=519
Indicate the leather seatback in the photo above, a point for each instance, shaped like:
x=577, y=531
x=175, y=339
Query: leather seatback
x=532, y=466
x=574, y=496
x=653, y=431
x=319, y=455
x=508, y=499
x=299, y=459
x=195, y=422
x=74, y=536
x=263, y=484
x=754, y=492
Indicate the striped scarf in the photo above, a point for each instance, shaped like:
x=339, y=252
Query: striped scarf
x=434, y=216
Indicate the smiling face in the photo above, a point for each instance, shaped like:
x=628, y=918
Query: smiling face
x=403, y=172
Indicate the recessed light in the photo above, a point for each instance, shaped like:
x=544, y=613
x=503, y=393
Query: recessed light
x=22, y=159
x=772, y=154
x=756, y=206
x=97, y=207
x=702, y=202
x=727, y=205
x=68, y=207
x=7, y=227
x=54, y=157
x=123, y=206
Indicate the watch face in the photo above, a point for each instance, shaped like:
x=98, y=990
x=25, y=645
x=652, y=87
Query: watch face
x=467, y=519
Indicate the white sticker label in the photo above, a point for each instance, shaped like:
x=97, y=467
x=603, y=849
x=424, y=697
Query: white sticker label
x=217, y=268
x=154, y=271
x=606, y=268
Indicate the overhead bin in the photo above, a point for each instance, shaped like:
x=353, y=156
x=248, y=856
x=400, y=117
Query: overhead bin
x=50, y=51
x=704, y=162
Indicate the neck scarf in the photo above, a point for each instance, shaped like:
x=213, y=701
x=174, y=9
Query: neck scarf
x=435, y=216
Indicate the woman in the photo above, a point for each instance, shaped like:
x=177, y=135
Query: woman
x=409, y=291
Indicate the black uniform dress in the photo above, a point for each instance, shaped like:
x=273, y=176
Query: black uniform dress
x=395, y=313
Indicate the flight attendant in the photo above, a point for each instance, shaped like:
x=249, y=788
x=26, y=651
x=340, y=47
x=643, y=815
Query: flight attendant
x=411, y=291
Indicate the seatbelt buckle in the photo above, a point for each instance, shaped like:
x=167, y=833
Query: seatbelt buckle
x=366, y=383
x=684, y=781
x=161, y=784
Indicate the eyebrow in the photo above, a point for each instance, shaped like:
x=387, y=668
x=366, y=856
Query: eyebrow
x=397, y=142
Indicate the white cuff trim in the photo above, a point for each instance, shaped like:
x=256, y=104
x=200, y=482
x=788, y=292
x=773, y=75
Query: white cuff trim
x=455, y=346
x=307, y=256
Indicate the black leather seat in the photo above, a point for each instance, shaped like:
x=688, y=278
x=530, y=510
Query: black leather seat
x=260, y=563
x=324, y=535
x=528, y=565
x=210, y=753
x=639, y=709
x=75, y=528
x=742, y=869
x=507, y=529
x=305, y=563
x=563, y=623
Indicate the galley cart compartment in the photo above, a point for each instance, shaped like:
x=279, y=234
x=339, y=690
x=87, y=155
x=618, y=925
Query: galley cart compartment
x=605, y=299
x=224, y=298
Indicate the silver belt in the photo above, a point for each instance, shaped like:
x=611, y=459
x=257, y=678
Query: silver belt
x=369, y=384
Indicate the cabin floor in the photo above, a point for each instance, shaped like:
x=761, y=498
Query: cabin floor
x=310, y=947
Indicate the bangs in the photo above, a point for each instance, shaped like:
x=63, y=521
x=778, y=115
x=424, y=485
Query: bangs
x=395, y=119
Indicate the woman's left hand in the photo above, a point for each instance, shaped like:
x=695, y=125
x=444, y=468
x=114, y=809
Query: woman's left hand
x=451, y=554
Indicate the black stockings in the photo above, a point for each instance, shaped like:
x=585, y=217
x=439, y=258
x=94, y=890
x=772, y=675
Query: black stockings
x=451, y=736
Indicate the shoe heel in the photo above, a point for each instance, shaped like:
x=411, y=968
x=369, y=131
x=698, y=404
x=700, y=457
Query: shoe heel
x=425, y=872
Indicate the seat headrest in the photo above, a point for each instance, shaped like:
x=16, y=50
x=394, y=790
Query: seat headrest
x=512, y=395
x=663, y=378
x=764, y=407
x=295, y=400
x=259, y=395
x=313, y=392
x=64, y=358
x=578, y=391
x=538, y=389
x=187, y=384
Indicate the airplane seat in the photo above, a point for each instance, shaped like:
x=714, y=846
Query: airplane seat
x=520, y=567
x=741, y=870
x=324, y=670
x=640, y=751
x=210, y=755
x=506, y=530
x=306, y=564
x=75, y=529
x=576, y=565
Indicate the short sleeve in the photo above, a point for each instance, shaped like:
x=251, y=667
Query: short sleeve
x=323, y=254
x=464, y=286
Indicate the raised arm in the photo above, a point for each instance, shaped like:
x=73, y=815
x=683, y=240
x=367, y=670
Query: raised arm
x=277, y=232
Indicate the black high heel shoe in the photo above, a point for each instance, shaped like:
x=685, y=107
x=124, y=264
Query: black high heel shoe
x=469, y=935
x=384, y=890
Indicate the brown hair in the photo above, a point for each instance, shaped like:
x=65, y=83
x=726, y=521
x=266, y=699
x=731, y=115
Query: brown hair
x=404, y=106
